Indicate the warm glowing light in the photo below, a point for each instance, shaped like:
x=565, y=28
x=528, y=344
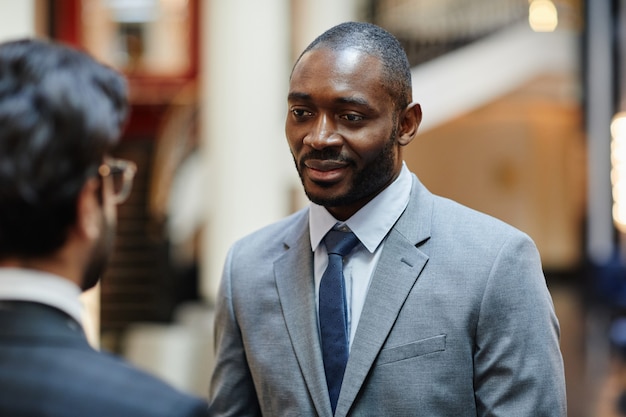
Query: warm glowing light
x=543, y=16
x=618, y=127
x=618, y=170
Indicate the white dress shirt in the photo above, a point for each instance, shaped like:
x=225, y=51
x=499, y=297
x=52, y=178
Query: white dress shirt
x=18, y=284
x=370, y=224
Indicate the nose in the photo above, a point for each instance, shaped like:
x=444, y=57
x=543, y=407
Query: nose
x=323, y=133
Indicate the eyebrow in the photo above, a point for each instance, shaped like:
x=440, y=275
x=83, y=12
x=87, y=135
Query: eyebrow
x=354, y=100
x=358, y=101
x=299, y=96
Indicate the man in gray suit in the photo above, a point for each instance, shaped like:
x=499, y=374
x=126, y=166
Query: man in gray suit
x=61, y=114
x=447, y=309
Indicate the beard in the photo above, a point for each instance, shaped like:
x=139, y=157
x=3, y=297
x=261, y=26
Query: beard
x=100, y=255
x=367, y=182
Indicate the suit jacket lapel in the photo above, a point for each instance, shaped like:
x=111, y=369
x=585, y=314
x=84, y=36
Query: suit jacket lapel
x=296, y=292
x=399, y=266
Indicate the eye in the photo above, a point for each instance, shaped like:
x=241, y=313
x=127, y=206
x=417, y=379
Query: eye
x=353, y=117
x=301, y=113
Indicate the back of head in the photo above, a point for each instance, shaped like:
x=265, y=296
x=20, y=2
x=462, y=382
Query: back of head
x=376, y=41
x=60, y=113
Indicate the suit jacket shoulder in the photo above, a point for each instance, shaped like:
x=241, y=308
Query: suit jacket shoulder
x=49, y=369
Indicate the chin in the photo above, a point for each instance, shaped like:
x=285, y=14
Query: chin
x=329, y=199
x=322, y=195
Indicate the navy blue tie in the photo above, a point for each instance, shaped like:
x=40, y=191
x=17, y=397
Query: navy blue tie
x=333, y=311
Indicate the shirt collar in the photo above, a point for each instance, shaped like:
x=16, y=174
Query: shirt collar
x=372, y=222
x=17, y=284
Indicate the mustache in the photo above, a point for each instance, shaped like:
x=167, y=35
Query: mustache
x=327, y=154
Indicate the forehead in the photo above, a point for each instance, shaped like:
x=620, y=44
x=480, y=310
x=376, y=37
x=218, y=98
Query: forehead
x=346, y=71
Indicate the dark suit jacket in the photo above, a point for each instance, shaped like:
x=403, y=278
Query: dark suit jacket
x=457, y=321
x=47, y=368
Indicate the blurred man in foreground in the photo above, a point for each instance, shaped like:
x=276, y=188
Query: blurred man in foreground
x=61, y=114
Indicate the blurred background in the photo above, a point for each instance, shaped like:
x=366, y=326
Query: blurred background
x=522, y=104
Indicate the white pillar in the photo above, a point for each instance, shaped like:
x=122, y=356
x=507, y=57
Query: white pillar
x=312, y=18
x=245, y=78
x=17, y=19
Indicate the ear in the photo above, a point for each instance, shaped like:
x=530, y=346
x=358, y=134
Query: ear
x=88, y=210
x=410, y=120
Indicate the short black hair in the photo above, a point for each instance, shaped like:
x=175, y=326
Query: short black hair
x=376, y=41
x=60, y=113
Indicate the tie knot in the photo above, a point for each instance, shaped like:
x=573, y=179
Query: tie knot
x=340, y=243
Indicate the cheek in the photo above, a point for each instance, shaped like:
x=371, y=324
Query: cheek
x=368, y=147
x=294, y=140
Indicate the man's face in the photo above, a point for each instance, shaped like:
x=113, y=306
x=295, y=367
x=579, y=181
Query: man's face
x=342, y=129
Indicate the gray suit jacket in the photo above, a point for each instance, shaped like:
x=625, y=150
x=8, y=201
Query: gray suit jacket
x=457, y=322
